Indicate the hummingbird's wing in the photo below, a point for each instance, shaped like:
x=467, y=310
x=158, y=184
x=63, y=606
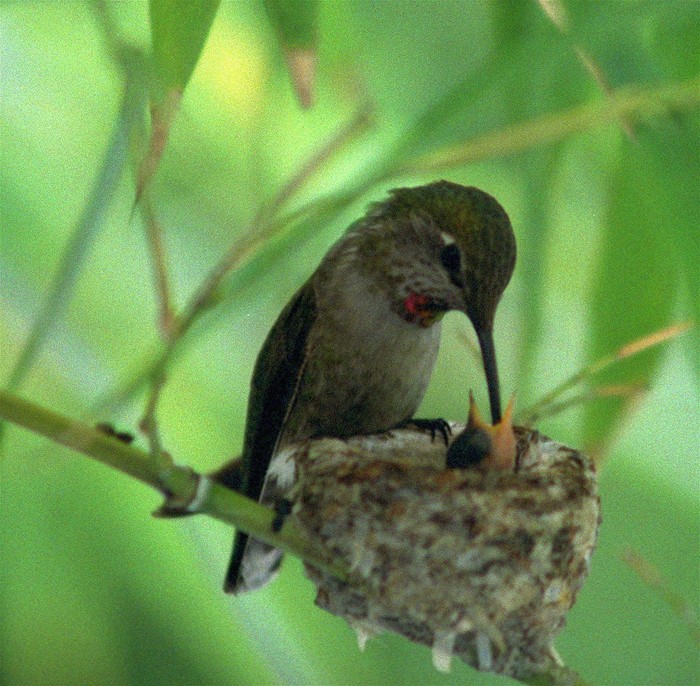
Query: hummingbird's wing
x=276, y=377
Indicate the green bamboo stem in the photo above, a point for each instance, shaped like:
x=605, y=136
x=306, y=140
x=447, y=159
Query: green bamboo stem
x=631, y=101
x=86, y=230
x=178, y=483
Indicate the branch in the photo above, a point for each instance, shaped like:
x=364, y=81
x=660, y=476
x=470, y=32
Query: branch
x=650, y=575
x=192, y=492
x=550, y=402
x=267, y=221
x=630, y=101
x=154, y=236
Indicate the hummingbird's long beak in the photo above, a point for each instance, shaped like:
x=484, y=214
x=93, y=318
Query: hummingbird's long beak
x=488, y=355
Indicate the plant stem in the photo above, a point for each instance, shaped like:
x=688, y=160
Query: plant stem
x=90, y=222
x=543, y=406
x=154, y=234
x=631, y=101
x=181, y=485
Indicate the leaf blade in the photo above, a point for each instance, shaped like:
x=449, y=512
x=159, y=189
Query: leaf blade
x=296, y=25
x=636, y=290
x=178, y=33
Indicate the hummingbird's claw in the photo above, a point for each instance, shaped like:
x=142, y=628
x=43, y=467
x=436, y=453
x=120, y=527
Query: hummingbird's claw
x=283, y=508
x=435, y=426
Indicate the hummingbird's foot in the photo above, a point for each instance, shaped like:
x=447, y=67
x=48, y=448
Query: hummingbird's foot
x=283, y=508
x=435, y=426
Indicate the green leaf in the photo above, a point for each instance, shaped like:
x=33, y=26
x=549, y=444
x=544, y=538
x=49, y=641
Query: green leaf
x=90, y=223
x=295, y=22
x=678, y=149
x=640, y=270
x=178, y=32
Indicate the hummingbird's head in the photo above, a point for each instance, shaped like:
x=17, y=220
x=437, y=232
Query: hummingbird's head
x=451, y=247
x=463, y=237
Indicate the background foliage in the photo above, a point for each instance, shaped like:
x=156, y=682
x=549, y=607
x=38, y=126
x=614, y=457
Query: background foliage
x=95, y=591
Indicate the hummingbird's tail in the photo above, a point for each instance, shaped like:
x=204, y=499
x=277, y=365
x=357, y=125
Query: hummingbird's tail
x=253, y=564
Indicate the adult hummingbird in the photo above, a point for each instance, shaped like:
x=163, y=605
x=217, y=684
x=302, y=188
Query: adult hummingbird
x=354, y=349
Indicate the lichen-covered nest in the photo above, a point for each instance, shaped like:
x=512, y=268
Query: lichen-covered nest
x=483, y=565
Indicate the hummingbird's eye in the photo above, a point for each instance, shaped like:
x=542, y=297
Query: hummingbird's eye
x=452, y=262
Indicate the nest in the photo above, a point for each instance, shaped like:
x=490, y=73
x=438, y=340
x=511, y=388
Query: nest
x=482, y=565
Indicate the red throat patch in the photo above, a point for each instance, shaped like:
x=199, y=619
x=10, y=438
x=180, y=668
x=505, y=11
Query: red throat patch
x=420, y=309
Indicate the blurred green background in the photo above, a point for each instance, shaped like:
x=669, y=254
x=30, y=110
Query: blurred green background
x=94, y=590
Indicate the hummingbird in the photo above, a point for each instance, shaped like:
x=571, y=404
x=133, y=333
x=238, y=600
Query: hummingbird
x=353, y=350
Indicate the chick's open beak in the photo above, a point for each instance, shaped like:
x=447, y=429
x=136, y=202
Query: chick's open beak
x=502, y=443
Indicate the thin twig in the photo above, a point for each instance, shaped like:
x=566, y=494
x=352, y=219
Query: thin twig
x=596, y=71
x=265, y=224
x=541, y=406
x=149, y=426
x=359, y=123
x=551, y=128
x=600, y=450
x=154, y=234
x=556, y=12
x=149, y=421
x=556, y=407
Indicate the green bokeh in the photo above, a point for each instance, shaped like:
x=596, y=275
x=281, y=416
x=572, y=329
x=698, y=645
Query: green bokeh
x=92, y=589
